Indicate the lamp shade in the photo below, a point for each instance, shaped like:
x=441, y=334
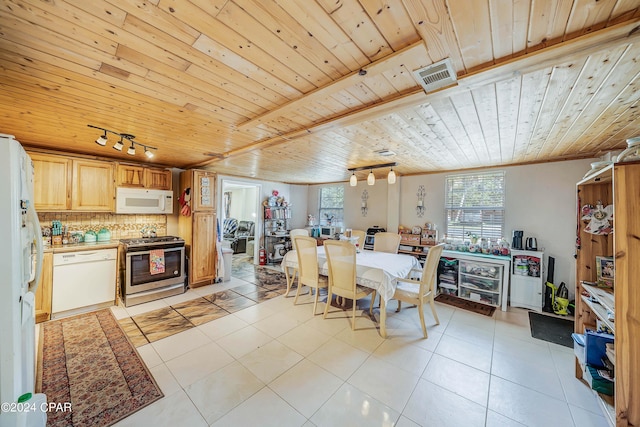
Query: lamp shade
x=118, y=145
x=391, y=178
x=353, y=181
x=148, y=153
x=371, y=179
x=102, y=140
x=132, y=150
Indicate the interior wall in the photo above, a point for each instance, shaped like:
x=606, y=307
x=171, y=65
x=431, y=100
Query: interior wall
x=540, y=199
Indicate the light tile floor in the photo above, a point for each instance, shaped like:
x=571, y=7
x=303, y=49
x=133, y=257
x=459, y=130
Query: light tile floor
x=275, y=364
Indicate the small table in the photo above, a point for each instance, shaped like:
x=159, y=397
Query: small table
x=375, y=270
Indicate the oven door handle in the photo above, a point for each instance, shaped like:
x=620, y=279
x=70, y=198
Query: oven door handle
x=131, y=253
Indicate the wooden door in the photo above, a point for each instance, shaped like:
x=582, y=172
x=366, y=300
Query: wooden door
x=159, y=179
x=203, y=190
x=52, y=182
x=93, y=186
x=44, y=289
x=130, y=176
x=203, y=249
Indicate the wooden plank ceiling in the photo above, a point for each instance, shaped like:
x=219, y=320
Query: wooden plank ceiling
x=277, y=89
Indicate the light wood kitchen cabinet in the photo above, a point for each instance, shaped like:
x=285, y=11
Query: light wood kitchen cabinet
x=44, y=290
x=52, y=182
x=143, y=177
x=159, y=179
x=199, y=229
x=203, y=190
x=92, y=186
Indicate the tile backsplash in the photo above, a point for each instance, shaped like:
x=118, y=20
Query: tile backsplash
x=120, y=226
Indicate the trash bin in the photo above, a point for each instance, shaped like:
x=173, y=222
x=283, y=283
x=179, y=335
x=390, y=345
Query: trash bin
x=227, y=255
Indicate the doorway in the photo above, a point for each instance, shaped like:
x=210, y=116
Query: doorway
x=241, y=201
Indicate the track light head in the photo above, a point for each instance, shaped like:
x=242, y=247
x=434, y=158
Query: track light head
x=102, y=139
x=371, y=179
x=132, y=150
x=148, y=152
x=353, y=181
x=118, y=145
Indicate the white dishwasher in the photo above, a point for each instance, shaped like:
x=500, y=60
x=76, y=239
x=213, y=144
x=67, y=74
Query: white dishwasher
x=83, y=281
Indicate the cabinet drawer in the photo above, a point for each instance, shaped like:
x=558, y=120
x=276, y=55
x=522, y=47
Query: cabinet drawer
x=480, y=269
x=480, y=283
x=479, y=296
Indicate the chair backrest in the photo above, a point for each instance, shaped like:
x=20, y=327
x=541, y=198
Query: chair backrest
x=245, y=228
x=360, y=234
x=386, y=242
x=307, y=252
x=428, y=280
x=341, y=257
x=297, y=232
x=229, y=227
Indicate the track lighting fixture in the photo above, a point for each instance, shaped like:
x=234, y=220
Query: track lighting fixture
x=119, y=145
x=371, y=179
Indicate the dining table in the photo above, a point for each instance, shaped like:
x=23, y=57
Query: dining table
x=375, y=270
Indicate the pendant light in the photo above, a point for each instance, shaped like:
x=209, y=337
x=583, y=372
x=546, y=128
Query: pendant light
x=371, y=179
x=391, y=178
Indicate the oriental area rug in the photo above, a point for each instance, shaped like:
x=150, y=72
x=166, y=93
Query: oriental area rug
x=88, y=361
x=465, y=304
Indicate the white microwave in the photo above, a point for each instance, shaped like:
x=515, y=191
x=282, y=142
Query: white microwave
x=328, y=231
x=143, y=201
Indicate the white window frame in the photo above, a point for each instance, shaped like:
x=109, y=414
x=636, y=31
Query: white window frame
x=338, y=212
x=468, y=215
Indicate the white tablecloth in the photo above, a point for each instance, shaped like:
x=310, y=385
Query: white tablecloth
x=376, y=270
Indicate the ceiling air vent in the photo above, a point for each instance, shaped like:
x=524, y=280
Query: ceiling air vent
x=384, y=152
x=435, y=76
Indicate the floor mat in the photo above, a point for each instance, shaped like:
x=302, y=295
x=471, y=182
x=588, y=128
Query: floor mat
x=465, y=304
x=88, y=361
x=551, y=329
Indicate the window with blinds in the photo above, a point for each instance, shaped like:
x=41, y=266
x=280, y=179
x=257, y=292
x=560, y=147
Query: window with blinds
x=331, y=206
x=474, y=205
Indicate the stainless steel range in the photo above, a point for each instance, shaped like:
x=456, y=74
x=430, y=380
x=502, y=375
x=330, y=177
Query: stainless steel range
x=370, y=237
x=153, y=268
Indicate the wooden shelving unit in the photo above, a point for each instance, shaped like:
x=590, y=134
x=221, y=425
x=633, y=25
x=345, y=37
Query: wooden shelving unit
x=619, y=185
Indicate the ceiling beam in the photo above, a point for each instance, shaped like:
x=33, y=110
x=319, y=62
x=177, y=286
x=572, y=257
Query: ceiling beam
x=626, y=32
x=396, y=59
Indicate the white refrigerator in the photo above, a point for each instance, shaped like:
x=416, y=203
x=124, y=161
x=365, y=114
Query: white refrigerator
x=20, y=267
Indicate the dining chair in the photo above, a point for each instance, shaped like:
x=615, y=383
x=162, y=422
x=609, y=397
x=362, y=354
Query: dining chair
x=418, y=292
x=360, y=234
x=386, y=242
x=341, y=257
x=307, y=251
x=291, y=278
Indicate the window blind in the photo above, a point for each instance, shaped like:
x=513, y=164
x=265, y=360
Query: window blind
x=474, y=205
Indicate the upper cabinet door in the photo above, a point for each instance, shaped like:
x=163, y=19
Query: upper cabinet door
x=159, y=179
x=130, y=176
x=93, y=188
x=203, y=193
x=51, y=185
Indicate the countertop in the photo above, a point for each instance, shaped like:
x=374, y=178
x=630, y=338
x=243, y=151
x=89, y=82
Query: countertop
x=76, y=247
